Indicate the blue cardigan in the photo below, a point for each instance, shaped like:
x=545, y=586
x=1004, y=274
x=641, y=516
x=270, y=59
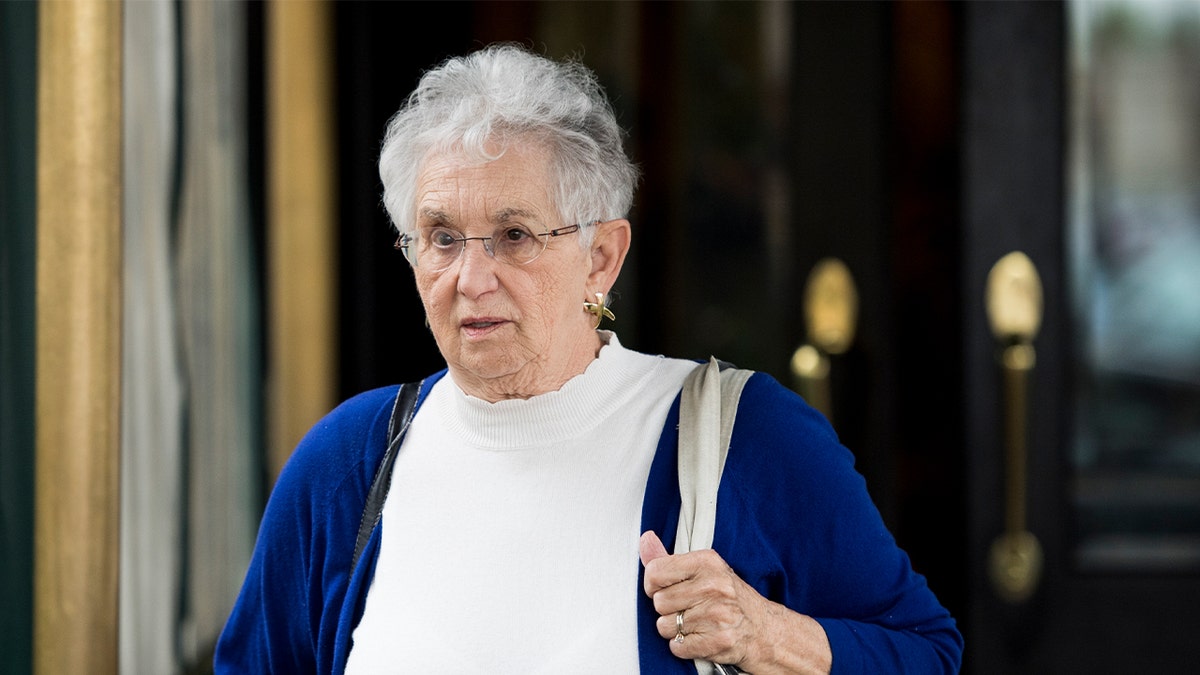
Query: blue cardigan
x=793, y=520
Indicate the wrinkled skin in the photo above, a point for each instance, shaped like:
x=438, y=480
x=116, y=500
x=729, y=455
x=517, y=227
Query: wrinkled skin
x=510, y=331
x=724, y=619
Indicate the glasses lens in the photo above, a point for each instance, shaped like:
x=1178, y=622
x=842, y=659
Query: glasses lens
x=406, y=245
x=437, y=248
x=516, y=245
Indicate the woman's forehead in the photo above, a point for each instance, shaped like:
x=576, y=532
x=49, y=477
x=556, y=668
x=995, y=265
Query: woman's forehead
x=515, y=186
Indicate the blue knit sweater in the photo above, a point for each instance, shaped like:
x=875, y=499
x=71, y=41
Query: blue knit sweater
x=794, y=521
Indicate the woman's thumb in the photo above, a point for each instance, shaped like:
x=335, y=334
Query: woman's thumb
x=650, y=547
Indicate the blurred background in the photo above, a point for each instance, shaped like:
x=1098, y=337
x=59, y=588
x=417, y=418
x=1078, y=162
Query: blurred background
x=252, y=285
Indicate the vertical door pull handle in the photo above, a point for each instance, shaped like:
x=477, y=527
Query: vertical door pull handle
x=1014, y=308
x=831, y=315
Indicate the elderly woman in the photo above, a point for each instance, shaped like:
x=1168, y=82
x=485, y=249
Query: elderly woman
x=533, y=488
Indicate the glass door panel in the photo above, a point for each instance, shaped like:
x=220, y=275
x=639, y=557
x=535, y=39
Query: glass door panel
x=1134, y=272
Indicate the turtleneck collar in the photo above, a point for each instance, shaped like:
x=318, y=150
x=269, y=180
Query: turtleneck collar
x=576, y=409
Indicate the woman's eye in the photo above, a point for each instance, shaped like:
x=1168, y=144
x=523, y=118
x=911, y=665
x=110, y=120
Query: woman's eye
x=442, y=238
x=515, y=235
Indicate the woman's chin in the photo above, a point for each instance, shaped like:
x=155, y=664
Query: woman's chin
x=486, y=368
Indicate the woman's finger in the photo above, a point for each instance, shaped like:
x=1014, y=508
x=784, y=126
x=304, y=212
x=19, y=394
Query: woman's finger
x=666, y=571
x=699, y=638
x=717, y=607
x=650, y=547
x=668, y=625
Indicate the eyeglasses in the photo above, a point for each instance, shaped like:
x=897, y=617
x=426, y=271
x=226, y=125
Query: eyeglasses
x=436, y=248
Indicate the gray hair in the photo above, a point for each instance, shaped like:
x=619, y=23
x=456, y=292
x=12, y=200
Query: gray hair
x=503, y=94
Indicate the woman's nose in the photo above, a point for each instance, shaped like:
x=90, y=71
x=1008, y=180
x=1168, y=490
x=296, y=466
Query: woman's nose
x=476, y=271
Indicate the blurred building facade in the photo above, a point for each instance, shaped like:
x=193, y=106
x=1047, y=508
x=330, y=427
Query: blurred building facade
x=916, y=142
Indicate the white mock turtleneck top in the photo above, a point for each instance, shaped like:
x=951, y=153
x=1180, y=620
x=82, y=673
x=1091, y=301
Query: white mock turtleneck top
x=510, y=532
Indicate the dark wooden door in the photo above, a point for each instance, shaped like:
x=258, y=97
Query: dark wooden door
x=919, y=143
x=1120, y=583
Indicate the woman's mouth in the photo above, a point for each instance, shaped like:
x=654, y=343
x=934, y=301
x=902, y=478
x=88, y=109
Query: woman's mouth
x=478, y=327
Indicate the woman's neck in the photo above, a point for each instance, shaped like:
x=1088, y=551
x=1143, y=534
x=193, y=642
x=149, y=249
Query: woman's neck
x=541, y=375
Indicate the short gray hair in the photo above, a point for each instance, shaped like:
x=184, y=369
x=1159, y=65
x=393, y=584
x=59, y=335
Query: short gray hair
x=502, y=94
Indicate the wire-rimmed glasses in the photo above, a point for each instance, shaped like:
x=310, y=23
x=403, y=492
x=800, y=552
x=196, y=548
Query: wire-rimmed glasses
x=436, y=248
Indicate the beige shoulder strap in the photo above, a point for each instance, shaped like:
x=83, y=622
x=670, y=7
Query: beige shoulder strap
x=707, y=408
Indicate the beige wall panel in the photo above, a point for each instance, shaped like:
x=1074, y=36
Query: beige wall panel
x=78, y=337
x=300, y=221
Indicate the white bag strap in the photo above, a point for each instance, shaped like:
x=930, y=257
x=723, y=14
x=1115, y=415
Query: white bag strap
x=707, y=408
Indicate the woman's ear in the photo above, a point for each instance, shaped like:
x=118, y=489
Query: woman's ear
x=610, y=245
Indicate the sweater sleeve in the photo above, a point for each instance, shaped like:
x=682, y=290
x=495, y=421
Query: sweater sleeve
x=795, y=521
x=285, y=619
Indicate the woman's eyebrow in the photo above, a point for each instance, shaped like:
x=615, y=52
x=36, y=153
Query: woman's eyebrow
x=513, y=213
x=431, y=215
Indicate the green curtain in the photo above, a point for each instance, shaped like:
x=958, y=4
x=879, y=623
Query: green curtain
x=18, y=223
x=152, y=385
x=219, y=304
x=191, y=414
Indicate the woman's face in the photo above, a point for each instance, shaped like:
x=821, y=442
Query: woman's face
x=506, y=331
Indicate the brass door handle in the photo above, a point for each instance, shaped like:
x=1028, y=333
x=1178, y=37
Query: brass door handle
x=831, y=314
x=1014, y=308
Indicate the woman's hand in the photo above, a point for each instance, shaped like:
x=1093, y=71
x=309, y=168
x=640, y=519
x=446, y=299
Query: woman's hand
x=724, y=620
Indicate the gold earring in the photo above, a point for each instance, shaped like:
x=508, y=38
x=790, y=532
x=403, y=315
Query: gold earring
x=598, y=310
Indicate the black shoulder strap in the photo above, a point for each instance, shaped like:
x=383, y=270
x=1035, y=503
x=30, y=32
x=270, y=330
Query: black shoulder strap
x=402, y=414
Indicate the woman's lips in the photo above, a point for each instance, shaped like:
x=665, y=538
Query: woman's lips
x=478, y=327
